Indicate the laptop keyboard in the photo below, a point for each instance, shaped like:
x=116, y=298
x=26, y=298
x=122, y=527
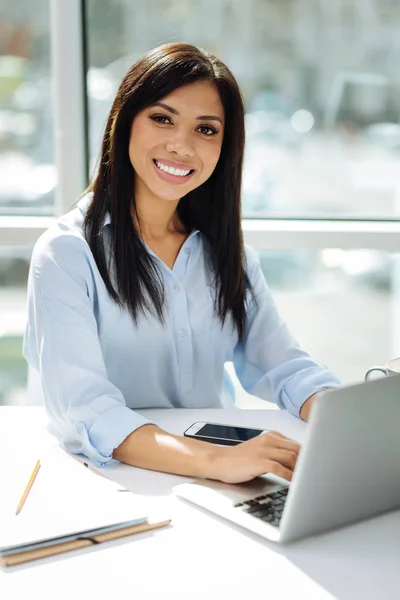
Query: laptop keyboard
x=268, y=508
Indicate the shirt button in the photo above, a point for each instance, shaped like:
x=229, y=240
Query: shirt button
x=176, y=287
x=187, y=251
x=79, y=429
x=183, y=333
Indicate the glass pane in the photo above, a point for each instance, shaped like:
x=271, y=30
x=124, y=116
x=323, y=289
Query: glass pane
x=14, y=267
x=343, y=307
x=27, y=171
x=339, y=304
x=320, y=81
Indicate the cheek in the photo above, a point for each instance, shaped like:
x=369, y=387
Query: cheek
x=139, y=142
x=211, y=157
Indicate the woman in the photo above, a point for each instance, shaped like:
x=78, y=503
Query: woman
x=141, y=293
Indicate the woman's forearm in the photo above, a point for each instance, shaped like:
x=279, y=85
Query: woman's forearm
x=149, y=447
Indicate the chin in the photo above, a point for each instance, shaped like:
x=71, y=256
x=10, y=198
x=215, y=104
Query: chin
x=171, y=195
x=170, y=198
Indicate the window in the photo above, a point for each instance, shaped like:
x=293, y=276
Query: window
x=320, y=81
x=321, y=184
x=14, y=267
x=27, y=171
x=339, y=304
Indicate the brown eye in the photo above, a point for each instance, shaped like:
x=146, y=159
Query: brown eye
x=207, y=130
x=162, y=119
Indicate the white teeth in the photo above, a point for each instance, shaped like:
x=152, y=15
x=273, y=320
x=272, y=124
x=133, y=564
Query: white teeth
x=171, y=170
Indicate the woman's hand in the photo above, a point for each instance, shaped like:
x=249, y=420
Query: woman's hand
x=269, y=452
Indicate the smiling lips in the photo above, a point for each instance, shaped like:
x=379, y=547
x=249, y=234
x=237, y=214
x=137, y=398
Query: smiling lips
x=176, y=173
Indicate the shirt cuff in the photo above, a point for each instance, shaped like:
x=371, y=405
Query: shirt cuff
x=301, y=386
x=107, y=433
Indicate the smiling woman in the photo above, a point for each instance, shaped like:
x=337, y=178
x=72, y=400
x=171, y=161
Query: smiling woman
x=180, y=107
x=141, y=294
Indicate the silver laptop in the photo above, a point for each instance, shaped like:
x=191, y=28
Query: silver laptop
x=348, y=469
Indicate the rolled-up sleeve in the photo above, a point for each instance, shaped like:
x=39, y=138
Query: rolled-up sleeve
x=269, y=362
x=61, y=341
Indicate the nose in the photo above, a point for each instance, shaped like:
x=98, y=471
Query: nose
x=180, y=143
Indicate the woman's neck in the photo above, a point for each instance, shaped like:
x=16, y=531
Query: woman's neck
x=157, y=218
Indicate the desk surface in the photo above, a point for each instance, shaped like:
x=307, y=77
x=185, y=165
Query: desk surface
x=201, y=556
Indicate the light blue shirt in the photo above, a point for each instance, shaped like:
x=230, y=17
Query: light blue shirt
x=97, y=367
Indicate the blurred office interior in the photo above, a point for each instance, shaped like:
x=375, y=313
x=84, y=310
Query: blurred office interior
x=321, y=188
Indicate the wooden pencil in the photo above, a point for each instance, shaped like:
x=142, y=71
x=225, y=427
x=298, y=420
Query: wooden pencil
x=28, y=487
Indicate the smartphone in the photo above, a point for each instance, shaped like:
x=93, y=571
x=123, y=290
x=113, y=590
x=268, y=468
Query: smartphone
x=225, y=435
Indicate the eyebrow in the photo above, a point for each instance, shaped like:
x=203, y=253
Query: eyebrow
x=175, y=112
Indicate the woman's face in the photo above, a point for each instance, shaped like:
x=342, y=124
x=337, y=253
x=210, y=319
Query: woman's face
x=176, y=143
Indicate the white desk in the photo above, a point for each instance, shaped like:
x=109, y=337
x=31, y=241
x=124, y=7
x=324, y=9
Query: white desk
x=200, y=556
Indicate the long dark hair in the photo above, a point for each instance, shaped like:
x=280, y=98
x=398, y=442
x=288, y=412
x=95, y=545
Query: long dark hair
x=214, y=208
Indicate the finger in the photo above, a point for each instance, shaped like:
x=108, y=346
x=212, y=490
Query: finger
x=279, y=435
x=276, y=433
x=280, y=441
x=280, y=470
x=287, y=458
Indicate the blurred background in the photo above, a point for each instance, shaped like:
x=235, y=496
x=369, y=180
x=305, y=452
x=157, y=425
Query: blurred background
x=321, y=86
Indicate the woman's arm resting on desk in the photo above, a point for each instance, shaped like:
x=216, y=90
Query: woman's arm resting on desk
x=152, y=448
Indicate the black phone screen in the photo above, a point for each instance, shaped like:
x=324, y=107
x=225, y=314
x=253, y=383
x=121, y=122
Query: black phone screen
x=228, y=432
